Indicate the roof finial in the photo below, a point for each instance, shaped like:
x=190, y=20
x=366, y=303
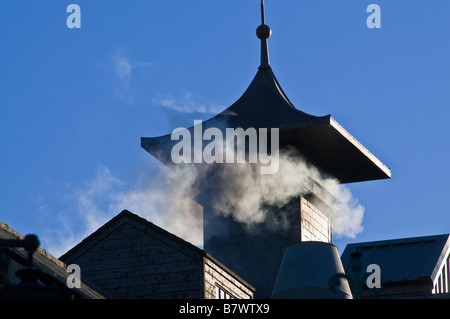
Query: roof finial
x=262, y=13
x=263, y=32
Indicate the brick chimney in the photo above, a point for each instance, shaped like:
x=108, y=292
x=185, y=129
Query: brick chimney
x=254, y=252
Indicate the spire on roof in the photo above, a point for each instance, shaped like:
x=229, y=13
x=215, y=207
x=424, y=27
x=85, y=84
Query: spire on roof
x=263, y=32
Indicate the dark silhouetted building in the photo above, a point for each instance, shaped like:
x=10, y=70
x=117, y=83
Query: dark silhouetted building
x=417, y=267
x=129, y=257
x=319, y=140
x=52, y=272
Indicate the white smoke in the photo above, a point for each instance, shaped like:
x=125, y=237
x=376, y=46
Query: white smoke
x=165, y=198
x=249, y=197
x=161, y=196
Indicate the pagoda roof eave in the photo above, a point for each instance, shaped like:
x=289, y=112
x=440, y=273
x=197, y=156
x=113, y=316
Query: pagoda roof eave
x=323, y=142
x=320, y=140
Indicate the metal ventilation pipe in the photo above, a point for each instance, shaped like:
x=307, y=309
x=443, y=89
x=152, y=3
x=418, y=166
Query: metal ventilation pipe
x=305, y=272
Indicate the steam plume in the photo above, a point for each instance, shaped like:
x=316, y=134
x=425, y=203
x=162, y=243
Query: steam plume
x=164, y=197
x=246, y=196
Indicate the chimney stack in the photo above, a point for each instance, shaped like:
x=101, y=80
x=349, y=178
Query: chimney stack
x=255, y=253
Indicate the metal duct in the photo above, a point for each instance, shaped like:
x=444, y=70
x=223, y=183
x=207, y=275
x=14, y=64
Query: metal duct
x=305, y=272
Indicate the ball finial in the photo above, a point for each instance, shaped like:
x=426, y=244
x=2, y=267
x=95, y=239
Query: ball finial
x=263, y=31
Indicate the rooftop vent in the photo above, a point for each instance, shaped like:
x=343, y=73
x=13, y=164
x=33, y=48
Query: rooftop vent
x=305, y=271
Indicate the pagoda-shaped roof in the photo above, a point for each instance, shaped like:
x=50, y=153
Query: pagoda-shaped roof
x=319, y=139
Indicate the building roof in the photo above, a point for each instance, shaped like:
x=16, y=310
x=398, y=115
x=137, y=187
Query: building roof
x=48, y=264
x=403, y=259
x=163, y=235
x=110, y=226
x=320, y=139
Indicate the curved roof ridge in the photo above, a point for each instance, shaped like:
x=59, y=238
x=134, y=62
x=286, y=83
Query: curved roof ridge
x=280, y=88
x=263, y=103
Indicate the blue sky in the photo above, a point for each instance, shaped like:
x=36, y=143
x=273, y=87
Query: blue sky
x=75, y=102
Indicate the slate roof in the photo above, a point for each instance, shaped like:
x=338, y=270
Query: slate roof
x=320, y=139
x=48, y=264
x=402, y=259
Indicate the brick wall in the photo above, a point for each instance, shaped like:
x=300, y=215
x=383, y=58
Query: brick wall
x=315, y=226
x=255, y=254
